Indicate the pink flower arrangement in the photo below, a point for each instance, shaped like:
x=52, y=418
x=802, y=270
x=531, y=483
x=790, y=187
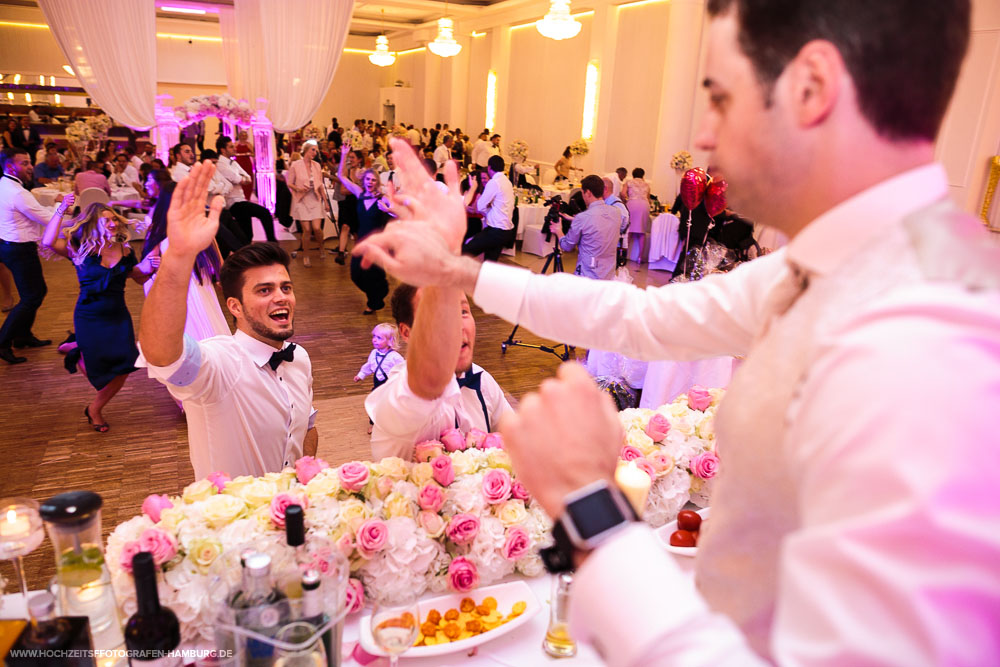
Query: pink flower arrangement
x=280, y=503
x=160, y=543
x=129, y=550
x=644, y=465
x=517, y=544
x=431, y=497
x=346, y=545
x=705, y=465
x=427, y=451
x=219, y=478
x=629, y=453
x=443, y=473
x=475, y=438
x=496, y=486
x=462, y=575
x=432, y=523
x=353, y=476
x=658, y=427
x=463, y=528
x=308, y=467
x=373, y=535
x=355, y=595
x=519, y=492
x=699, y=398
x=453, y=440
x=153, y=505
x=661, y=462
x=492, y=441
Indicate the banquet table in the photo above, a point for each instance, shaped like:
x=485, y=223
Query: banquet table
x=531, y=217
x=665, y=380
x=46, y=196
x=664, y=242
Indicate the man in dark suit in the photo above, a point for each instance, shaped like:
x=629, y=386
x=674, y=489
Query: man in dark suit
x=27, y=138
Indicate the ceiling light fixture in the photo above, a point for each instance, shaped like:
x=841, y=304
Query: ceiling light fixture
x=382, y=57
x=181, y=10
x=558, y=24
x=69, y=70
x=444, y=44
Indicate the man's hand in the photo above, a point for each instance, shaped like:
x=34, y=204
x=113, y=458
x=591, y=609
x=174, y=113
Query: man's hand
x=188, y=228
x=563, y=437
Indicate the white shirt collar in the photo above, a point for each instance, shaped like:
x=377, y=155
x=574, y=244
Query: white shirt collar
x=475, y=369
x=840, y=232
x=259, y=351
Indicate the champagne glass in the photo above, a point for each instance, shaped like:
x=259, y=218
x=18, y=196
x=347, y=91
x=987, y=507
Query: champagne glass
x=395, y=624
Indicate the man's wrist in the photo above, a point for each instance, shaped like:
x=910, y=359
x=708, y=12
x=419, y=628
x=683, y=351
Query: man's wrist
x=463, y=273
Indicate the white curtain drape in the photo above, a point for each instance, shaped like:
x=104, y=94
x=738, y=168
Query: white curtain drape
x=111, y=46
x=288, y=53
x=231, y=54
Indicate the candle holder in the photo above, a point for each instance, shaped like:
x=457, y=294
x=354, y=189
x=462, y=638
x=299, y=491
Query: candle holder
x=20, y=533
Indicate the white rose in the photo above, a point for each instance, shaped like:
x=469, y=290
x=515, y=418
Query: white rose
x=531, y=566
x=222, y=510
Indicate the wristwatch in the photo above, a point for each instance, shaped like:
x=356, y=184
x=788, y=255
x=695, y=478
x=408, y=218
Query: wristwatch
x=592, y=515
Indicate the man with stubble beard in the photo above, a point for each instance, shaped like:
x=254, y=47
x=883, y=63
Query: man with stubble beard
x=247, y=397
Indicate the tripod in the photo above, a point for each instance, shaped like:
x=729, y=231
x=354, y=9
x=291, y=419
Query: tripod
x=553, y=259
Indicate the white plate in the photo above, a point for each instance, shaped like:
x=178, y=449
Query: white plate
x=664, y=532
x=506, y=595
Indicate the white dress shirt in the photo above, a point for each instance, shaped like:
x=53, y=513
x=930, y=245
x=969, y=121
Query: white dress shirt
x=380, y=364
x=243, y=418
x=179, y=171
x=230, y=170
x=21, y=216
x=616, y=184
x=125, y=178
x=496, y=203
x=441, y=156
x=481, y=152
x=136, y=162
x=855, y=518
x=403, y=419
x=413, y=136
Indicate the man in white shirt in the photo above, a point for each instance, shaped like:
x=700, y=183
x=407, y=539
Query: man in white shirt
x=617, y=178
x=481, y=150
x=613, y=200
x=183, y=156
x=496, y=203
x=390, y=175
x=133, y=159
x=443, y=153
x=243, y=211
x=124, y=175
x=413, y=136
x=247, y=397
x=21, y=220
x=438, y=387
x=839, y=533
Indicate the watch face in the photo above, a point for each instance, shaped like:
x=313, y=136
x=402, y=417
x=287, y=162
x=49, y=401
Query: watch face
x=595, y=513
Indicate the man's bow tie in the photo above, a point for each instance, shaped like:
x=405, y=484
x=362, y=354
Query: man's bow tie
x=471, y=380
x=281, y=355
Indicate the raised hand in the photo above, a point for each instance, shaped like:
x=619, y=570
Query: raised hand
x=188, y=228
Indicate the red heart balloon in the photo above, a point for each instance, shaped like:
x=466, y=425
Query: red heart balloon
x=693, y=185
x=715, y=197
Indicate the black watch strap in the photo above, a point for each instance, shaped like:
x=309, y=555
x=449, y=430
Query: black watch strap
x=558, y=558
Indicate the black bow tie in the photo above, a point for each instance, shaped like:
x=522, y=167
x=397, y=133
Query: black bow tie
x=471, y=380
x=281, y=355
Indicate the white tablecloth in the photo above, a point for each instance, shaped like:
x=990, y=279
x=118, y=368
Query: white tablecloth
x=531, y=217
x=664, y=242
x=665, y=380
x=46, y=196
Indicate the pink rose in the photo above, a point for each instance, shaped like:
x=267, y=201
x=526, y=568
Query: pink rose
x=372, y=537
x=308, y=467
x=160, y=543
x=453, y=440
x=431, y=497
x=219, y=478
x=518, y=492
x=463, y=528
x=355, y=595
x=492, y=441
x=383, y=486
x=427, y=450
x=432, y=523
x=517, y=545
x=475, y=438
x=128, y=553
x=699, y=398
x=496, y=486
x=658, y=427
x=463, y=575
x=644, y=465
x=154, y=504
x=629, y=453
x=321, y=561
x=280, y=503
x=705, y=465
x=660, y=461
x=353, y=476
x=346, y=545
x=443, y=472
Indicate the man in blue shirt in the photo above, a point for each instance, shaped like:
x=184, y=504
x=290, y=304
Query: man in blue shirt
x=50, y=169
x=595, y=231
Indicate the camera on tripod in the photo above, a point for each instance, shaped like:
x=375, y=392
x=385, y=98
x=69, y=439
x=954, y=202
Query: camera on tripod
x=558, y=206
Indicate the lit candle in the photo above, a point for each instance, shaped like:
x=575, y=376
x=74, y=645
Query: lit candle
x=634, y=483
x=15, y=525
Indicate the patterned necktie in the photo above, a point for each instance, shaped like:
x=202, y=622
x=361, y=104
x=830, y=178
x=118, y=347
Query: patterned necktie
x=281, y=355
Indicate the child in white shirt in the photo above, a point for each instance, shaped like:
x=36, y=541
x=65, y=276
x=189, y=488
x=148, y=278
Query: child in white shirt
x=385, y=340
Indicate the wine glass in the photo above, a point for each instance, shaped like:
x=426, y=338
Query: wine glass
x=395, y=624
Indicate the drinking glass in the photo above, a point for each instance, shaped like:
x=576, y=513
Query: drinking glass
x=395, y=624
x=310, y=653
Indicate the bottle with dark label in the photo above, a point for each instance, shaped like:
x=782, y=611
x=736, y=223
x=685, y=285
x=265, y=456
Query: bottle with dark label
x=69, y=636
x=153, y=632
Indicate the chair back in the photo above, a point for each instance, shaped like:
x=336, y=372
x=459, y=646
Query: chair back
x=91, y=195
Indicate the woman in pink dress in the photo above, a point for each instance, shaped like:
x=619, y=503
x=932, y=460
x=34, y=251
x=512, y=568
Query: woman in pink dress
x=636, y=196
x=305, y=180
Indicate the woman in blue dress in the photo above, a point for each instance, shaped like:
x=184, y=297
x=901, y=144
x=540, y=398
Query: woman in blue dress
x=372, y=216
x=97, y=243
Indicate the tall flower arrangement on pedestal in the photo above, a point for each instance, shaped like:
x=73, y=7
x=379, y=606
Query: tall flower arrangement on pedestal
x=78, y=132
x=313, y=132
x=518, y=150
x=225, y=107
x=579, y=147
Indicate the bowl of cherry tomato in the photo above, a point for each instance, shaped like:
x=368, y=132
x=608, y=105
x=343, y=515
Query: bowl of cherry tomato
x=681, y=536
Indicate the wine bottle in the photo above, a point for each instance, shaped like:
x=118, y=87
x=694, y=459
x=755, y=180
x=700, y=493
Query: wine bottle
x=260, y=607
x=312, y=605
x=295, y=532
x=65, y=641
x=153, y=631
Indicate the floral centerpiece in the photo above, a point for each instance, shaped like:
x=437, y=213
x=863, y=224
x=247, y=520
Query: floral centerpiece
x=681, y=161
x=354, y=139
x=99, y=126
x=225, y=107
x=313, y=132
x=518, y=150
x=399, y=131
x=579, y=147
x=78, y=132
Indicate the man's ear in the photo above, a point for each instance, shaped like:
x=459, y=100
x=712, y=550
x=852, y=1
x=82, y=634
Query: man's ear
x=816, y=78
x=404, y=332
x=235, y=307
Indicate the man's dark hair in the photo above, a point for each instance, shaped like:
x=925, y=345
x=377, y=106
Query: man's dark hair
x=10, y=153
x=158, y=163
x=401, y=304
x=176, y=150
x=246, y=258
x=622, y=173
x=49, y=146
x=222, y=142
x=904, y=59
x=593, y=184
x=495, y=163
x=495, y=136
x=209, y=154
x=638, y=172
